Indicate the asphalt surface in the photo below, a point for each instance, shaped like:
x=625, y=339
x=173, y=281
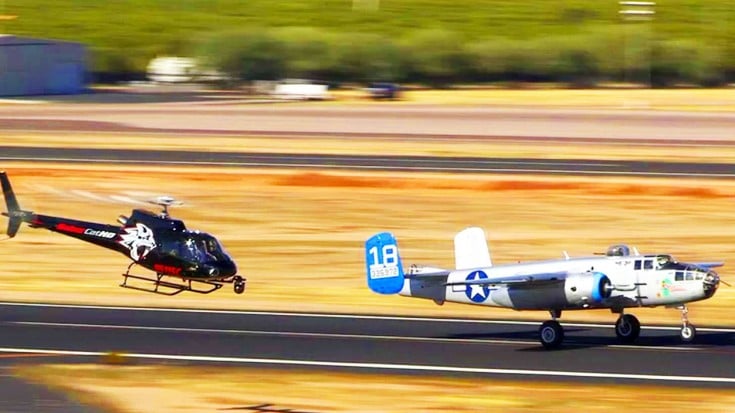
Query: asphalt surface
x=368, y=162
x=403, y=120
x=503, y=349
x=407, y=345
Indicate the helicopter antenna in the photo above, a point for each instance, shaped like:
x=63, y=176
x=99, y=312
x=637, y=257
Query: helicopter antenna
x=165, y=202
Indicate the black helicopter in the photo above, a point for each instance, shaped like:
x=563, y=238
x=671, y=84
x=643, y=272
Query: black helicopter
x=154, y=241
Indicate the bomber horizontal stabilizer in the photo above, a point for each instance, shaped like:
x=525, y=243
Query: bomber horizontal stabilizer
x=712, y=264
x=433, y=274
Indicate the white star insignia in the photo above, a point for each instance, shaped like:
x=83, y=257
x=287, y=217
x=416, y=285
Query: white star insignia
x=477, y=289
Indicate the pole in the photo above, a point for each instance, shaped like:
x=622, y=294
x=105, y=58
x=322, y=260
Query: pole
x=638, y=11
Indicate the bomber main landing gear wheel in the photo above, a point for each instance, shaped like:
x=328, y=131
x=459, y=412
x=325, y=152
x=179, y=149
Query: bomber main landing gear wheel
x=551, y=334
x=627, y=328
x=239, y=285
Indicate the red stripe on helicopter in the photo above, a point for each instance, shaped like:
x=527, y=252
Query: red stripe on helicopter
x=167, y=269
x=69, y=228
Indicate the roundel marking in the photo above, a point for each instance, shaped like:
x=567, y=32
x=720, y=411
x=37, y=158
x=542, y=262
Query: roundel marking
x=475, y=292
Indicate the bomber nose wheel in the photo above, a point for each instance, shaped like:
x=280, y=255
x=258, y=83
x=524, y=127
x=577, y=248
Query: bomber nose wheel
x=551, y=334
x=627, y=328
x=687, y=332
x=239, y=285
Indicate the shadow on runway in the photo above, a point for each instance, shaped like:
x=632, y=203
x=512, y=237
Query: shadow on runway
x=580, y=338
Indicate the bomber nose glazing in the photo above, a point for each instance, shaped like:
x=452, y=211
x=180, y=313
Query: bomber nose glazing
x=711, y=282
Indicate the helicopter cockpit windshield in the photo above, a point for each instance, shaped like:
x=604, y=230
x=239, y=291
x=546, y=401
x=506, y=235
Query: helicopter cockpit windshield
x=195, y=246
x=206, y=247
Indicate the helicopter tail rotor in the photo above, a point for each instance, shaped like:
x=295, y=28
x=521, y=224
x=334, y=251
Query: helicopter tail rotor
x=14, y=213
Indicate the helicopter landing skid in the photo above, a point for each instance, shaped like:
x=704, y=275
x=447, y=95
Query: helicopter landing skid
x=188, y=284
x=170, y=288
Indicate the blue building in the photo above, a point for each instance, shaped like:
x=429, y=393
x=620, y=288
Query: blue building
x=41, y=67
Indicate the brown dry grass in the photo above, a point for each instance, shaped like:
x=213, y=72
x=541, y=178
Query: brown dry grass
x=710, y=100
x=189, y=389
x=298, y=236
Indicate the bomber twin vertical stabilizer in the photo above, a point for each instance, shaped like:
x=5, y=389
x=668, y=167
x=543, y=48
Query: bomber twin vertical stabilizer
x=470, y=249
x=384, y=268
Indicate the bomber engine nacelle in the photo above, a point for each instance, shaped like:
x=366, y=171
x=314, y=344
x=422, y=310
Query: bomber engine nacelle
x=587, y=288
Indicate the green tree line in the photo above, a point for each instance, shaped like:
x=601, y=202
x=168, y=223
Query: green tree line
x=433, y=41
x=625, y=53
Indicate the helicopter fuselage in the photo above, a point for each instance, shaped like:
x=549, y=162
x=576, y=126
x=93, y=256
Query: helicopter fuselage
x=158, y=243
x=154, y=241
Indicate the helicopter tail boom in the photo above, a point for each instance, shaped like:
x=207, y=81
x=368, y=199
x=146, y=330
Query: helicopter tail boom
x=14, y=213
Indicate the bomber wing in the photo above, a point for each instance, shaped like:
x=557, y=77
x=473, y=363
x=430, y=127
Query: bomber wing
x=518, y=279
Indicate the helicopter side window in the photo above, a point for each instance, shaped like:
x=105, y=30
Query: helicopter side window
x=168, y=243
x=648, y=264
x=637, y=265
x=679, y=276
x=690, y=276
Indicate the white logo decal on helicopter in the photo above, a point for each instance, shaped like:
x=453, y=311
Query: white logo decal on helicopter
x=101, y=234
x=139, y=240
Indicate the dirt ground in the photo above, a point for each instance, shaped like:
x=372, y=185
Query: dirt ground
x=189, y=389
x=298, y=236
x=710, y=100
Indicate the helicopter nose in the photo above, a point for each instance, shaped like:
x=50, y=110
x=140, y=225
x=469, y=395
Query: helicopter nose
x=710, y=283
x=227, y=268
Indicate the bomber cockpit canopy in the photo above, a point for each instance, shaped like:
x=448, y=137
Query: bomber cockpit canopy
x=664, y=261
x=618, y=250
x=667, y=262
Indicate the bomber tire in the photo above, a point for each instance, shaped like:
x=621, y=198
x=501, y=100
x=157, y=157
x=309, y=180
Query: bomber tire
x=627, y=328
x=551, y=334
x=688, y=333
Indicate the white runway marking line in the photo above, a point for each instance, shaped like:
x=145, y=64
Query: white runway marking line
x=665, y=142
x=375, y=167
x=383, y=366
x=347, y=316
x=335, y=335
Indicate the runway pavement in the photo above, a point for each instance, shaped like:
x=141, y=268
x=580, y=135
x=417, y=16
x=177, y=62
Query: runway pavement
x=368, y=162
x=502, y=349
x=450, y=347
x=403, y=121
